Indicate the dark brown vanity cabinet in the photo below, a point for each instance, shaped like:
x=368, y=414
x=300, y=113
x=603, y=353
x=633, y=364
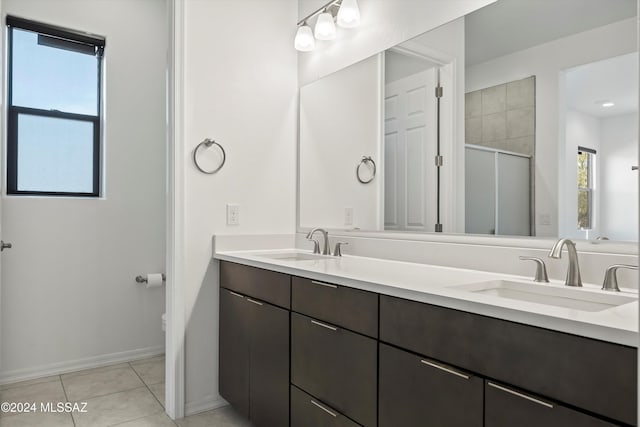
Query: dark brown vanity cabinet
x=303, y=353
x=336, y=366
x=416, y=392
x=254, y=358
x=596, y=376
x=508, y=407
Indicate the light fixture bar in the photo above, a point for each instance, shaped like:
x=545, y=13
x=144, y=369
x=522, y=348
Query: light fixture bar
x=320, y=10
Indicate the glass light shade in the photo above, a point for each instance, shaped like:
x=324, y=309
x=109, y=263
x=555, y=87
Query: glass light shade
x=325, y=27
x=349, y=14
x=304, y=41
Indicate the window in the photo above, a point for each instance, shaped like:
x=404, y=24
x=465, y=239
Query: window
x=53, y=123
x=586, y=168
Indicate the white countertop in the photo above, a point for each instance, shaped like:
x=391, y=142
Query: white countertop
x=433, y=284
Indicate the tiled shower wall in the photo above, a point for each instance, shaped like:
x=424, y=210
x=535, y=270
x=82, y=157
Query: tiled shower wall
x=502, y=116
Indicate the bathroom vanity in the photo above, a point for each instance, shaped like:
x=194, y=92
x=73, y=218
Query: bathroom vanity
x=323, y=341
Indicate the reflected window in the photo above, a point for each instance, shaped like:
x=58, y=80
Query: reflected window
x=586, y=169
x=54, y=109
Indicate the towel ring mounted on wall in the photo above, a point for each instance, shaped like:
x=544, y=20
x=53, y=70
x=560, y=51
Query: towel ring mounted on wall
x=366, y=160
x=208, y=143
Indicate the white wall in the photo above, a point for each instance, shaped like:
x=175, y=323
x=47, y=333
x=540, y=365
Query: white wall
x=618, y=183
x=339, y=124
x=69, y=297
x=383, y=24
x=240, y=87
x=546, y=62
x=582, y=130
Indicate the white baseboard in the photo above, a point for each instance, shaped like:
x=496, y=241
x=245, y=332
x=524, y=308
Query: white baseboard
x=206, y=404
x=57, y=368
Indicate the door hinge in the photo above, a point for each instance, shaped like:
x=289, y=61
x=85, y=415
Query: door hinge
x=439, y=161
x=438, y=91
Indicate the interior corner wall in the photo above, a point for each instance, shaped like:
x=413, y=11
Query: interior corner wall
x=69, y=296
x=618, y=182
x=383, y=24
x=547, y=62
x=240, y=88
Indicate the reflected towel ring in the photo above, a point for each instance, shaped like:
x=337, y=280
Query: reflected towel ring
x=208, y=143
x=365, y=160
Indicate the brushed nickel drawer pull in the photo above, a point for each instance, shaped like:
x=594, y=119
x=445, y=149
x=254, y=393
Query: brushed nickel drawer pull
x=442, y=368
x=254, y=301
x=333, y=414
x=524, y=396
x=324, y=325
x=238, y=295
x=328, y=285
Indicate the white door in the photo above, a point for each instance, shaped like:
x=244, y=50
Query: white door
x=409, y=153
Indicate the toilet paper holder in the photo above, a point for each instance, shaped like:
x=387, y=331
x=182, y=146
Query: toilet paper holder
x=142, y=279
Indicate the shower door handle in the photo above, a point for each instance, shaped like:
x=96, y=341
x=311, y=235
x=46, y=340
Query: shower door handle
x=4, y=245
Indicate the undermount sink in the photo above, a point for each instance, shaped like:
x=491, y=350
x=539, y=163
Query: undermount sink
x=573, y=298
x=293, y=256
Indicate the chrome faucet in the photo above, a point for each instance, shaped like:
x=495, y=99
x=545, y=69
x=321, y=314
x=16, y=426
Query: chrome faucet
x=325, y=250
x=573, y=271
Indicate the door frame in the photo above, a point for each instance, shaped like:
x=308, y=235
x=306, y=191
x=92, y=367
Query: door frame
x=175, y=226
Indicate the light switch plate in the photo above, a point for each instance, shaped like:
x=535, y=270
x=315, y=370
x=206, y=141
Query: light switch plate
x=348, y=216
x=233, y=214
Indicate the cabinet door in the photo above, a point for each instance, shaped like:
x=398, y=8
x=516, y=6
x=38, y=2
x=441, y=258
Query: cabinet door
x=337, y=366
x=307, y=411
x=269, y=364
x=234, y=350
x=415, y=391
x=507, y=407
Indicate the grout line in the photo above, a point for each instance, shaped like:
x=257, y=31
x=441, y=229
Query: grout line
x=147, y=386
x=64, y=390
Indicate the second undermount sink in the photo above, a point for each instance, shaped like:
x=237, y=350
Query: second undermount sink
x=573, y=298
x=293, y=256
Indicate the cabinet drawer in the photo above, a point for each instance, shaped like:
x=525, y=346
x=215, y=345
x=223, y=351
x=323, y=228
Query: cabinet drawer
x=266, y=285
x=415, y=391
x=337, y=366
x=346, y=307
x=571, y=369
x=307, y=411
x=507, y=407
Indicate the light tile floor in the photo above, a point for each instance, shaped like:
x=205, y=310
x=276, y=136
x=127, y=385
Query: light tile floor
x=124, y=395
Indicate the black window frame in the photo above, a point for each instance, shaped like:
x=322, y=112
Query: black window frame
x=65, y=39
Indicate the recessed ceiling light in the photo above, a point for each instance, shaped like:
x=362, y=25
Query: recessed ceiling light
x=608, y=104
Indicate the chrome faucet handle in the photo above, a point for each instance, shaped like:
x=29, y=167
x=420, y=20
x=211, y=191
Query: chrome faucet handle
x=337, y=250
x=610, y=282
x=541, y=268
x=316, y=245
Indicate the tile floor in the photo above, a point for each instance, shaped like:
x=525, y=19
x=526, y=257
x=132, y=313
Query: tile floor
x=125, y=395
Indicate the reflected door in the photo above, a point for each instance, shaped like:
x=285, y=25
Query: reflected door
x=409, y=150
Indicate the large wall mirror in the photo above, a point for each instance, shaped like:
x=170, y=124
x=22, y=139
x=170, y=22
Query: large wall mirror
x=519, y=119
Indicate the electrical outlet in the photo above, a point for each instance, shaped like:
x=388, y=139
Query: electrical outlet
x=348, y=216
x=233, y=214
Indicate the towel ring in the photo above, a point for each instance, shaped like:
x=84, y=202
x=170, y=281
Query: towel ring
x=365, y=160
x=208, y=143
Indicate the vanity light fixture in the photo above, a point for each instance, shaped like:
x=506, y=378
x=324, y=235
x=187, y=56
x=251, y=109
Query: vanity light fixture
x=349, y=14
x=304, y=41
x=608, y=104
x=345, y=12
x=325, y=27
